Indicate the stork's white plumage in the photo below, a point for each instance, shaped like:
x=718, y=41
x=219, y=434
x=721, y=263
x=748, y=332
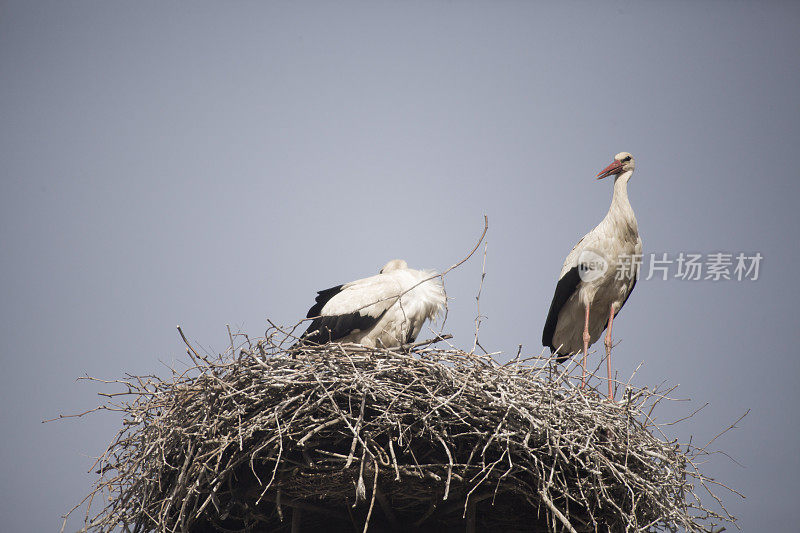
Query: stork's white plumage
x=386, y=310
x=597, y=277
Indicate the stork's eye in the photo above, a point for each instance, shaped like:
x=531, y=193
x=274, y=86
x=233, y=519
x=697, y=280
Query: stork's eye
x=626, y=158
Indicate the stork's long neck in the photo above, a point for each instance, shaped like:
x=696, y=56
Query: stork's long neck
x=621, y=210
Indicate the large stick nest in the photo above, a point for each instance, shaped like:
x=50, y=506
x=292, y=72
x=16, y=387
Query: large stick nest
x=336, y=436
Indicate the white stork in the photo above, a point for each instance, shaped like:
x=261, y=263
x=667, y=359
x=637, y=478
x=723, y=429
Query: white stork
x=386, y=310
x=598, y=276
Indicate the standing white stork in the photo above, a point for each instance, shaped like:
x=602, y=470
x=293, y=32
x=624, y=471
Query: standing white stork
x=598, y=276
x=387, y=310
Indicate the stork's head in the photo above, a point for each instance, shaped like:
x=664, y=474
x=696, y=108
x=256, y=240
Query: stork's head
x=623, y=162
x=394, y=264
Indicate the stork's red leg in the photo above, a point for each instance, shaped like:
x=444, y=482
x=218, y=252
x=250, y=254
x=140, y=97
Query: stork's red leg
x=585, y=346
x=608, y=352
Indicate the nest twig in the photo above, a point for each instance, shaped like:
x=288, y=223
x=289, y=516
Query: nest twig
x=335, y=437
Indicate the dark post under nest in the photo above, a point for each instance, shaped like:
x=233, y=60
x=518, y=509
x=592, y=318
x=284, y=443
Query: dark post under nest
x=343, y=438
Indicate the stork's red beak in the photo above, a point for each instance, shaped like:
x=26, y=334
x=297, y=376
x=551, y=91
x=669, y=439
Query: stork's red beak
x=614, y=168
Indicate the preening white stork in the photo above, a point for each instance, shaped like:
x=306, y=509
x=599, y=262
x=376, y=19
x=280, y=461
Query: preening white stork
x=597, y=277
x=387, y=310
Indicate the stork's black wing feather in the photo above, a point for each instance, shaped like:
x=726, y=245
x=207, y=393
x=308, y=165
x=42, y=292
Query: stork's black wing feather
x=330, y=328
x=566, y=286
x=326, y=329
x=323, y=297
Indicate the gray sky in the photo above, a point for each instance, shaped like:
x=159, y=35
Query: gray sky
x=203, y=164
